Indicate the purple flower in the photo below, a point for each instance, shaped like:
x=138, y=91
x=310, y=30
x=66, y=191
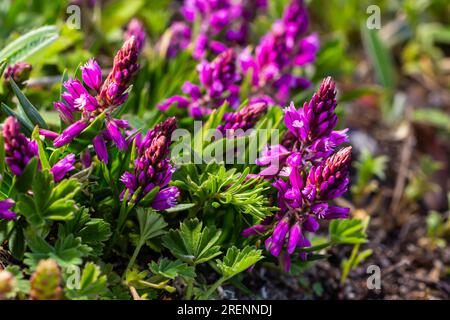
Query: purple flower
x=165, y=198
x=86, y=102
x=179, y=35
x=285, y=47
x=113, y=91
x=62, y=167
x=18, y=149
x=219, y=83
x=222, y=24
x=308, y=174
x=136, y=29
x=80, y=108
x=5, y=213
x=330, y=178
x=65, y=112
x=70, y=133
x=116, y=135
x=74, y=89
x=85, y=158
x=243, y=119
x=19, y=72
x=92, y=75
x=100, y=148
x=48, y=134
x=152, y=166
x=256, y=229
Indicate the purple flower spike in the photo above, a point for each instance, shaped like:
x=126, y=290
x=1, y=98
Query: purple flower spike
x=113, y=91
x=244, y=119
x=62, y=167
x=18, y=149
x=5, y=213
x=19, y=72
x=92, y=75
x=70, y=133
x=165, y=198
x=331, y=176
x=307, y=175
x=152, y=167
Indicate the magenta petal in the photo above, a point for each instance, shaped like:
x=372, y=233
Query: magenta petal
x=100, y=148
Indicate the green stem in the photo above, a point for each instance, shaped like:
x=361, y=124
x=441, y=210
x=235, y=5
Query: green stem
x=190, y=288
x=135, y=254
x=351, y=260
x=214, y=287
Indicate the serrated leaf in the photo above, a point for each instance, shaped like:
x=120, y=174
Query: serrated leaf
x=192, y=243
x=171, y=269
x=151, y=224
x=66, y=252
x=237, y=261
x=92, y=284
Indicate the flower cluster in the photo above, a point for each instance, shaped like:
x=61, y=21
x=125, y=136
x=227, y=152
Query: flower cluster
x=219, y=81
x=152, y=167
x=18, y=148
x=5, y=212
x=223, y=24
x=80, y=106
x=311, y=175
x=285, y=47
x=243, y=119
x=19, y=72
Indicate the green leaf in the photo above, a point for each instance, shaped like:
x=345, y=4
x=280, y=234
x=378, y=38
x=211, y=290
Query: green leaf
x=151, y=224
x=42, y=155
x=213, y=185
x=347, y=231
x=181, y=207
x=92, y=284
x=237, y=261
x=31, y=112
x=25, y=180
x=28, y=44
x=435, y=117
x=192, y=243
x=380, y=57
x=49, y=201
x=25, y=125
x=21, y=285
x=67, y=251
x=171, y=269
